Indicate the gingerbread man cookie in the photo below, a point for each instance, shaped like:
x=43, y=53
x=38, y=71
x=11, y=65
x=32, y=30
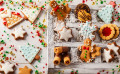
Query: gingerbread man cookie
x=60, y=11
x=88, y=52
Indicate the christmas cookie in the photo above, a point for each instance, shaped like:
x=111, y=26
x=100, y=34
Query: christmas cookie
x=10, y=18
x=83, y=16
x=96, y=52
x=109, y=31
x=106, y=14
x=108, y=55
x=25, y=70
x=88, y=52
x=19, y=33
x=7, y=68
x=29, y=53
x=114, y=47
x=65, y=34
x=82, y=12
x=31, y=14
x=1, y=2
x=59, y=26
x=116, y=30
x=60, y=11
x=87, y=30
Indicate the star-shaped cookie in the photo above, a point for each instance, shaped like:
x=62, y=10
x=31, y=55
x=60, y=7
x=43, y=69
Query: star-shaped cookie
x=25, y=70
x=19, y=33
x=7, y=68
x=65, y=34
x=113, y=46
x=59, y=26
x=107, y=55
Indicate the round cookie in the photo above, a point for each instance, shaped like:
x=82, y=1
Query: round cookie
x=82, y=7
x=107, y=32
x=83, y=16
x=116, y=30
x=82, y=11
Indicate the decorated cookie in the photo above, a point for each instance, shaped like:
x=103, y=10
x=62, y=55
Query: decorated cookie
x=88, y=52
x=87, y=30
x=7, y=68
x=31, y=14
x=1, y=2
x=82, y=12
x=29, y=53
x=108, y=55
x=96, y=52
x=59, y=26
x=60, y=11
x=114, y=47
x=19, y=33
x=109, y=31
x=82, y=7
x=83, y=16
x=106, y=14
x=65, y=34
x=10, y=18
x=25, y=70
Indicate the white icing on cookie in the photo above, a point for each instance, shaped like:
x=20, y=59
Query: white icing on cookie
x=114, y=48
x=7, y=67
x=29, y=52
x=107, y=55
x=31, y=13
x=87, y=30
x=65, y=34
x=19, y=32
x=59, y=26
x=5, y=15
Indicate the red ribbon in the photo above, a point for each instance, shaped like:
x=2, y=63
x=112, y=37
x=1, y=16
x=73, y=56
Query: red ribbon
x=55, y=9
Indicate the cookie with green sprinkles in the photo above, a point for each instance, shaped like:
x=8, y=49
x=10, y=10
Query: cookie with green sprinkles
x=31, y=14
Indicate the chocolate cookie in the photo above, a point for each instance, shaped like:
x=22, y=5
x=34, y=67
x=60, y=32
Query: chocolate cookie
x=83, y=16
x=85, y=12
